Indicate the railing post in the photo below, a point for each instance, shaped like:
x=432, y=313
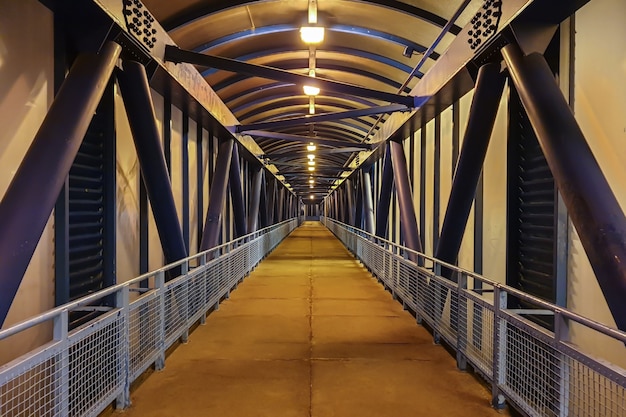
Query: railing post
x=437, y=319
x=122, y=302
x=461, y=332
x=499, y=348
x=159, y=281
x=561, y=334
x=184, y=270
x=60, y=333
x=202, y=266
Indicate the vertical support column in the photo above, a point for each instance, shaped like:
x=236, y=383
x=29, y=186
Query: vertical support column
x=255, y=200
x=236, y=194
x=263, y=204
x=358, y=220
x=437, y=180
x=281, y=204
x=368, y=202
x=591, y=204
x=138, y=102
x=185, y=177
x=423, y=184
x=199, y=178
x=61, y=246
x=217, y=196
x=349, y=202
x=483, y=110
x=405, y=199
x=45, y=166
x=271, y=203
x=382, y=215
x=167, y=132
x=143, y=229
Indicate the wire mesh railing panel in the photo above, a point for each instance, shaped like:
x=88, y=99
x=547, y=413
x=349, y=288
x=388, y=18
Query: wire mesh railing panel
x=81, y=372
x=238, y=265
x=475, y=337
x=538, y=371
x=407, y=288
x=32, y=388
x=531, y=371
x=223, y=271
x=144, y=324
x=211, y=283
x=97, y=355
x=591, y=393
x=196, y=299
x=176, y=299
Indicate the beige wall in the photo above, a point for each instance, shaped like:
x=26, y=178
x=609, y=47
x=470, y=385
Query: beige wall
x=466, y=254
x=127, y=197
x=600, y=108
x=26, y=91
x=494, y=199
x=156, y=258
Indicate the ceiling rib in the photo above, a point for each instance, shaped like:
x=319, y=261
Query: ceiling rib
x=177, y=55
x=308, y=119
x=188, y=17
x=306, y=139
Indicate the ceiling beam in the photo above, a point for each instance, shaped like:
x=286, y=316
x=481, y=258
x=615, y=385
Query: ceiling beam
x=317, y=118
x=187, y=17
x=177, y=55
x=306, y=139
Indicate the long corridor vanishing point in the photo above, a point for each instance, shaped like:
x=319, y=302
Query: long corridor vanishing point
x=310, y=333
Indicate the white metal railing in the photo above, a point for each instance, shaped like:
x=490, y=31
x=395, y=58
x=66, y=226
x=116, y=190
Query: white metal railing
x=82, y=371
x=541, y=372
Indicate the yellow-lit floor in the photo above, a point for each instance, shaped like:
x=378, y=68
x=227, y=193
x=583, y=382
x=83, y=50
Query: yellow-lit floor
x=310, y=333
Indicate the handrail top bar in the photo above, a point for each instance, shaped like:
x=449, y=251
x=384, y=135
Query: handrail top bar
x=558, y=310
x=51, y=314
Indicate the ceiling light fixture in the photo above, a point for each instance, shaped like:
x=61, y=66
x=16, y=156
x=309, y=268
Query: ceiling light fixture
x=311, y=147
x=312, y=35
x=310, y=91
x=311, y=168
x=312, y=163
x=311, y=156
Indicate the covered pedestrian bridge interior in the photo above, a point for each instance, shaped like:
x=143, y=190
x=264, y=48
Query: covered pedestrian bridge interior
x=203, y=203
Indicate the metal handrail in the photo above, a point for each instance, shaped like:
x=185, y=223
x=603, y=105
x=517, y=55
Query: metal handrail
x=88, y=299
x=539, y=371
x=81, y=371
x=596, y=325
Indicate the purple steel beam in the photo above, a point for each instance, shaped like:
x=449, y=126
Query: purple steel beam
x=236, y=195
x=255, y=202
x=405, y=199
x=135, y=90
x=482, y=116
x=382, y=215
x=368, y=202
x=590, y=202
x=217, y=195
x=31, y=196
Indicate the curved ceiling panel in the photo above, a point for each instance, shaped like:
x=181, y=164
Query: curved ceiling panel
x=374, y=44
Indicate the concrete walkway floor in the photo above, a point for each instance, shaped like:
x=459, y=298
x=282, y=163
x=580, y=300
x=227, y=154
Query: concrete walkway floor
x=310, y=333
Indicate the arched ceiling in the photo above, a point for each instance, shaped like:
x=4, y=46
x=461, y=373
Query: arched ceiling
x=363, y=45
